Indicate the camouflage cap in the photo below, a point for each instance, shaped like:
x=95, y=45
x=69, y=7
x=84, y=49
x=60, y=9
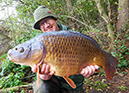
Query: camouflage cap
x=40, y=13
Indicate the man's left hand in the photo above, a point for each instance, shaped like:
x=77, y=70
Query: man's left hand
x=89, y=70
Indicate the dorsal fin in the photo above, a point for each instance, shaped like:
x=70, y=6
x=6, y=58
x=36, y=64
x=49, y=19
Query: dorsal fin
x=69, y=81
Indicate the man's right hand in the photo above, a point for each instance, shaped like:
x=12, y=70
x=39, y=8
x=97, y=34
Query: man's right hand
x=45, y=72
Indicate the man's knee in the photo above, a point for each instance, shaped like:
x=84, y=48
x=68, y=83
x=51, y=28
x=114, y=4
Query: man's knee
x=39, y=89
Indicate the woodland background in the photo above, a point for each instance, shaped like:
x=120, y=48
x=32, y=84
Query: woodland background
x=107, y=21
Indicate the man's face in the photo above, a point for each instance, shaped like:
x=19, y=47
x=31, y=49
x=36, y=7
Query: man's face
x=48, y=24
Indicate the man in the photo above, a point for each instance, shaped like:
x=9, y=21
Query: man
x=46, y=21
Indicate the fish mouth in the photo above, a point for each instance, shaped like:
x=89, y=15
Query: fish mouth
x=12, y=60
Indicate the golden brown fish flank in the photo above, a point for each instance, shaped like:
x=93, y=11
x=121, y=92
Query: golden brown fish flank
x=75, y=52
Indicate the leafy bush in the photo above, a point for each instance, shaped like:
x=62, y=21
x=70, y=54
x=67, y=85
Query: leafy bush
x=121, y=50
x=13, y=74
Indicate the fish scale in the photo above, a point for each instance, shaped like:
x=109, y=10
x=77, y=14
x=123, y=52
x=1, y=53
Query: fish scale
x=65, y=48
x=67, y=53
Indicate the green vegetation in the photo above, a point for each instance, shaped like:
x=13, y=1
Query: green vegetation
x=13, y=74
x=122, y=88
x=98, y=85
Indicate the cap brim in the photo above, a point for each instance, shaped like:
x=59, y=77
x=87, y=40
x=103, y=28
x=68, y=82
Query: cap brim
x=36, y=25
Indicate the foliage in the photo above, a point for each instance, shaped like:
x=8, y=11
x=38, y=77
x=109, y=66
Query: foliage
x=121, y=50
x=122, y=88
x=99, y=85
x=14, y=74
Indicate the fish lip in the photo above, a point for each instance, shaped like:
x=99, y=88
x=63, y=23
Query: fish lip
x=9, y=57
x=12, y=60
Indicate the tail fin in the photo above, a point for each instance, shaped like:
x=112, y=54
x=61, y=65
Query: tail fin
x=110, y=67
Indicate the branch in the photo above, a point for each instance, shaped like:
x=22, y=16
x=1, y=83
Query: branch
x=17, y=88
x=102, y=11
x=73, y=18
x=109, y=10
x=23, y=2
x=106, y=19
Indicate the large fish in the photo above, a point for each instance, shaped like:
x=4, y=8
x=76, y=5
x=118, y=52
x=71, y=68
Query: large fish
x=67, y=52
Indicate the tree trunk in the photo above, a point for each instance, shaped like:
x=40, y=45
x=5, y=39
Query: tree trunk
x=70, y=12
x=69, y=7
x=122, y=25
x=106, y=18
x=123, y=15
x=4, y=43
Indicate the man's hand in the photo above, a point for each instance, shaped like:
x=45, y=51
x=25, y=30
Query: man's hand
x=45, y=72
x=89, y=70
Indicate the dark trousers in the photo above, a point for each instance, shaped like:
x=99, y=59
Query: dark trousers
x=52, y=86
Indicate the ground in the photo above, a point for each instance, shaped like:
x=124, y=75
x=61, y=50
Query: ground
x=99, y=84
x=119, y=84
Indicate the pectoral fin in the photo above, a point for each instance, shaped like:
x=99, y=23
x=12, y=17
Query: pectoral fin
x=70, y=82
x=38, y=72
x=38, y=78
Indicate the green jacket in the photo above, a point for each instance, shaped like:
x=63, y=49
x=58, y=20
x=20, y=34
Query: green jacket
x=63, y=27
x=78, y=79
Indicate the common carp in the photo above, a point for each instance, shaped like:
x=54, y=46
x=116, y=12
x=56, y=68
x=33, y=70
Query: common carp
x=67, y=52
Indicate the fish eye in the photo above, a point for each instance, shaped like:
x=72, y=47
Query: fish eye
x=21, y=50
x=15, y=48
